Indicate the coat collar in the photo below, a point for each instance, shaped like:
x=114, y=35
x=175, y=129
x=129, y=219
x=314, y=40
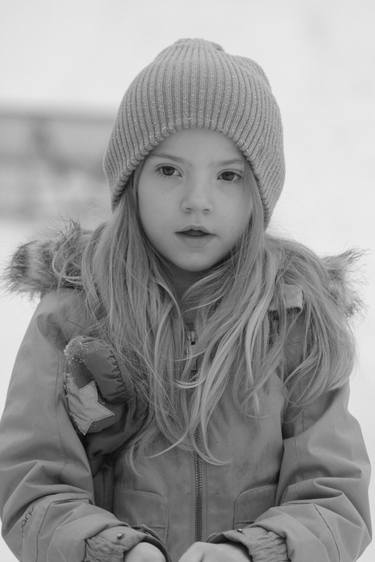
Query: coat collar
x=32, y=270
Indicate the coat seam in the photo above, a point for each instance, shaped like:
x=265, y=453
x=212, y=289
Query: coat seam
x=59, y=372
x=329, y=530
x=116, y=371
x=36, y=533
x=59, y=375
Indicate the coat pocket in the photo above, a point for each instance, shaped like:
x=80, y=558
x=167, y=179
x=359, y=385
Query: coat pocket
x=251, y=503
x=142, y=508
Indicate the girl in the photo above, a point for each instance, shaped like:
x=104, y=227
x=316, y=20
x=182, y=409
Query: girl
x=181, y=392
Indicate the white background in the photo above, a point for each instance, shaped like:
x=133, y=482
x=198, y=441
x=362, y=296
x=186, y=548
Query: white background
x=320, y=58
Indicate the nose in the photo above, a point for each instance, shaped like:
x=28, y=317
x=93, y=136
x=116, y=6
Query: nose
x=197, y=197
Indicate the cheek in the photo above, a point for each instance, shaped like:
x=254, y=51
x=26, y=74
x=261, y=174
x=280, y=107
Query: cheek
x=148, y=215
x=153, y=213
x=147, y=201
x=248, y=205
x=241, y=217
x=151, y=195
x=241, y=211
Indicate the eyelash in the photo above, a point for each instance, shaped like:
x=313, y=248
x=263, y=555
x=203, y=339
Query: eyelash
x=239, y=176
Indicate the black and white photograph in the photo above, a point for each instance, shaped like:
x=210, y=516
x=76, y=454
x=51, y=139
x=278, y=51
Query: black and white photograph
x=187, y=281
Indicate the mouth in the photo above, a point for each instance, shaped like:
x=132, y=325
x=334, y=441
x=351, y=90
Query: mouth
x=195, y=237
x=194, y=232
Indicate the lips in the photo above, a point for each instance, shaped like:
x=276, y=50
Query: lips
x=195, y=237
x=194, y=231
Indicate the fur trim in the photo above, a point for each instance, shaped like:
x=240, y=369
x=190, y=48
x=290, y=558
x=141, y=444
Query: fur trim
x=33, y=269
x=340, y=269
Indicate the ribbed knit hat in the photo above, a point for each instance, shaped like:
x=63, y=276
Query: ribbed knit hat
x=195, y=83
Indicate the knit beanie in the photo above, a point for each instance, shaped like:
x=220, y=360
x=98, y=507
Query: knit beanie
x=195, y=83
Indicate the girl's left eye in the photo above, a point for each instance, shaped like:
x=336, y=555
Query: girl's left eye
x=233, y=176
x=166, y=171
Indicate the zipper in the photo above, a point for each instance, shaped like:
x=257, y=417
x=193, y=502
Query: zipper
x=105, y=484
x=198, y=492
x=198, y=473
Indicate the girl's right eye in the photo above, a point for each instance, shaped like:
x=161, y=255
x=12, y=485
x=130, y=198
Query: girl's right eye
x=166, y=171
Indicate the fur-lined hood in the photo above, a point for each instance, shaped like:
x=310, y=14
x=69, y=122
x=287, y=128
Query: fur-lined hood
x=31, y=269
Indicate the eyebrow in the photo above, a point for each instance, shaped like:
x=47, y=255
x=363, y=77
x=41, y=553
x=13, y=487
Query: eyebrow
x=182, y=161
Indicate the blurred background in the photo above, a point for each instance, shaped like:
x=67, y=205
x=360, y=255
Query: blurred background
x=64, y=69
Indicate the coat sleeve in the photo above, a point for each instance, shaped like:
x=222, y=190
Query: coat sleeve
x=322, y=510
x=46, y=488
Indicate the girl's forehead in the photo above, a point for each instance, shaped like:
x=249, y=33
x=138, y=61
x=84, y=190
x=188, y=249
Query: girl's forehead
x=200, y=142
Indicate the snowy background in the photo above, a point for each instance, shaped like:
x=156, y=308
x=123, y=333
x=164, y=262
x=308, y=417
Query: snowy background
x=80, y=55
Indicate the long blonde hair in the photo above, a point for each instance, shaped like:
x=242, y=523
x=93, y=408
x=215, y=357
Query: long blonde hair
x=133, y=306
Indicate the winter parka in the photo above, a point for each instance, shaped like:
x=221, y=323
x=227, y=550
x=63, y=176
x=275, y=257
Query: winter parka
x=297, y=486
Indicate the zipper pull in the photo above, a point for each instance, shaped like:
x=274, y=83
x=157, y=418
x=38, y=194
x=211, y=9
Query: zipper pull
x=192, y=337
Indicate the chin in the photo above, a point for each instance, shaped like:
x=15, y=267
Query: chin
x=195, y=268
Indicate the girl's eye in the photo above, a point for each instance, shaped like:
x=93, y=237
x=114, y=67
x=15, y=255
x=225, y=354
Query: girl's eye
x=169, y=171
x=231, y=176
x=166, y=171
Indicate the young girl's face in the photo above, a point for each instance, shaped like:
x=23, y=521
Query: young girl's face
x=193, y=201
